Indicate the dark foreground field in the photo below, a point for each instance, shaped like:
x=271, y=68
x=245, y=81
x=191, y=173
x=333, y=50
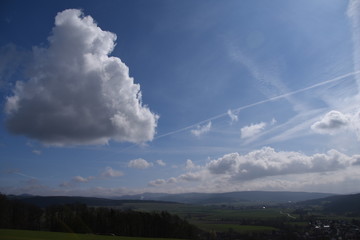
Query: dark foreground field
x=8, y=234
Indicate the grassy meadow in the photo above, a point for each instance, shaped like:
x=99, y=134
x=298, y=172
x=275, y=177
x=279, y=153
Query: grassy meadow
x=220, y=218
x=210, y=213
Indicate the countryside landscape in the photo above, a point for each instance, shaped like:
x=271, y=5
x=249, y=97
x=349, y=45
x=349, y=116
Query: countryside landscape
x=235, y=215
x=179, y=119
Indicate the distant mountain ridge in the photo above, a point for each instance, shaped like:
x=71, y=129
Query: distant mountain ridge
x=231, y=197
x=45, y=201
x=187, y=198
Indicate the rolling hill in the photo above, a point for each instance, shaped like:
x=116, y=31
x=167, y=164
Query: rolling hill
x=339, y=204
x=45, y=201
x=188, y=198
x=231, y=197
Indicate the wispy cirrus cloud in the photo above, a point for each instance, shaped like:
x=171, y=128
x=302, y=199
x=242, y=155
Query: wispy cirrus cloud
x=266, y=75
x=353, y=12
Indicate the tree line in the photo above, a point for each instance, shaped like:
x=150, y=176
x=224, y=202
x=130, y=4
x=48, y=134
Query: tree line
x=79, y=218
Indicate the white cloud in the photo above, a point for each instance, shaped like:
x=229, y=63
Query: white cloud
x=76, y=180
x=252, y=130
x=80, y=179
x=139, y=163
x=186, y=177
x=233, y=116
x=190, y=177
x=189, y=164
x=76, y=93
x=109, y=172
x=356, y=124
x=200, y=130
x=172, y=180
x=336, y=122
x=157, y=182
x=257, y=170
x=260, y=170
x=331, y=123
x=224, y=164
x=160, y=162
x=267, y=162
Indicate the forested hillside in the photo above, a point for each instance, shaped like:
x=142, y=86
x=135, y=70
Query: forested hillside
x=341, y=204
x=80, y=218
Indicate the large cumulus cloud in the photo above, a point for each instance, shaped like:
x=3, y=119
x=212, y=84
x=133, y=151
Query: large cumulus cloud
x=75, y=93
x=268, y=162
x=267, y=168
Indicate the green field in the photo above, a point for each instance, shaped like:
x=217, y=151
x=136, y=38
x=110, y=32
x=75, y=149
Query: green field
x=9, y=234
x=235, y=228
x=219, y=218
x=190, y=211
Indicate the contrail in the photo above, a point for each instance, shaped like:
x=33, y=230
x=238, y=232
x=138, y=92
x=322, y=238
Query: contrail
x=353, y=13
x=237, y=110
x=20, y=174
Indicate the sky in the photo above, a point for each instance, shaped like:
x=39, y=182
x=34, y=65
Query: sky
x=110, y=98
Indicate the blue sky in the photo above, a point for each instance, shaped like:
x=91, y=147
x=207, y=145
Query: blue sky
x=123, y=97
